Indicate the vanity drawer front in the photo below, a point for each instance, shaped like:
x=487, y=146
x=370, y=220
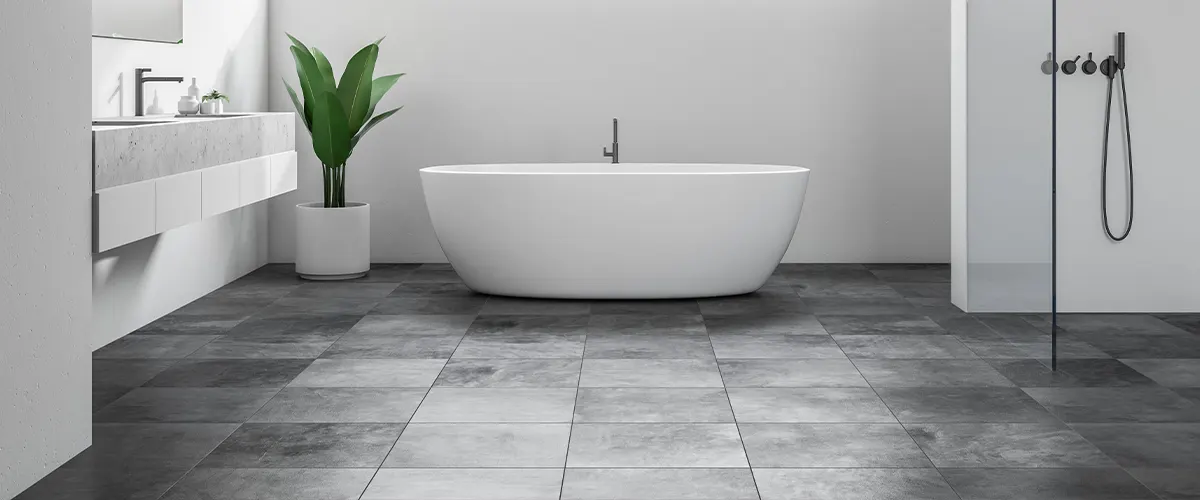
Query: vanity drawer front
x=221, y=187
x=283, y=173
x=255, y=180
x=178, y=201
x=124, y=214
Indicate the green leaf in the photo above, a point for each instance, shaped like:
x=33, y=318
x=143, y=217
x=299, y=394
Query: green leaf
x=322, y=130
x=339, y=134
x=379, y=88
x=297, y=43
x=325, y=67
x=380, y=40
x=311, y=83
x=355, y=87
x=371, y=124
x=299, y=106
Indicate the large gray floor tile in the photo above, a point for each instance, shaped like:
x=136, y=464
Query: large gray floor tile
x=308, y=405
x=656, y=446
x=1034, y=348
x=930, y=373
x=365, y=346
x=481, y=446
x=430, y=324
x=526, y=324
x=842, y=289
x=840, y=306
x=785, y=324
x=754, y=346
x=1126, y=346
x=430, y=290
x=685, y=307
x=328, y=326
x=433, y=273
x=1171, y=484
x=276, y=346
x=159, y=404
x=647, y=346
x=457, y=405
x=911, y=273
x=152, y=445
x=1006, y=445
x=230, y=373
x=223, y=307
x=153, y=346
x=305, y=445
x=901, y=324
x=510, y=373
x=790, y=373
x=1070, y=373
x=322, y=290
x=1046, y=484
x=923, y=290
x=963, y=404
x=521, y=346
x=659, y=484
x=469, y=305
x=650, y=373
x=767, y=301
x=505, y=306
x=1146, y=445
x=1169, y=372
x=647, y=325
x=311, y=307
x=1129, y=324
x=189, y=325
x=633, y=405
x=370, y=373
x=271, y=484
x=465, y=484
x=128, y=372
x=823, y=405
x=1116, y=404
x=102, y=483
x=831, y=445
x=852, y=484
x=903, y=347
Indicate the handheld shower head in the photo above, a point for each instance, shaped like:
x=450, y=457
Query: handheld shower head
x=1121, y=50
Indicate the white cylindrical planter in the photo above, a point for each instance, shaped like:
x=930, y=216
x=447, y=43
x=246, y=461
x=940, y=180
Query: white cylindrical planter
x=333, y=243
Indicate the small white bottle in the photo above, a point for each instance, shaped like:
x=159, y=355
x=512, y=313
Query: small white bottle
x=194, y=90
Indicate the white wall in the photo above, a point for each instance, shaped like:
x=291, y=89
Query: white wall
x=1157, y=268
x=225, y=47
x=855, y=89
x=45, y=199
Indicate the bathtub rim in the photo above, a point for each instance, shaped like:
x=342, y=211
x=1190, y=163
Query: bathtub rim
x=749, y=169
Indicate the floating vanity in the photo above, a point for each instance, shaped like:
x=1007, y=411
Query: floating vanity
x=154, y=174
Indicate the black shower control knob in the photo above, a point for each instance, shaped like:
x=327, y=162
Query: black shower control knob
x=1050, y=66
x=1089, y=66
x=1071, y=66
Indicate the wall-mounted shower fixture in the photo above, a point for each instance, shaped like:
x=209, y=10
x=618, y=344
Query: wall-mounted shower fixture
x=1070, y=67
x=616, y=147
x=1089, y=66
x=1112, y=67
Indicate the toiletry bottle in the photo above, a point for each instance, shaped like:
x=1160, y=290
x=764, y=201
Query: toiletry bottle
x=194, y=90
x=155, y=108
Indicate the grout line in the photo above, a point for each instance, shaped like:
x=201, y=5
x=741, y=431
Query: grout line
x=562, y=484
x=736, y=425
x=414, y=414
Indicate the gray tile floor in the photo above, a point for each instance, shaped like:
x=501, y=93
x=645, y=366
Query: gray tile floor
x=833, y=382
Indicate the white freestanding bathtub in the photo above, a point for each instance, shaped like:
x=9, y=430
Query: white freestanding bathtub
x=627, y=231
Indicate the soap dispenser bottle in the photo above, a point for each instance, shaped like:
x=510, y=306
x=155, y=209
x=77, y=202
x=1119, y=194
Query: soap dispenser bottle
x=194, y=90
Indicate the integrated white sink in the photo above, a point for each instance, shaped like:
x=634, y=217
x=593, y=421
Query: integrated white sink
x=224, y=115
x=125, y=123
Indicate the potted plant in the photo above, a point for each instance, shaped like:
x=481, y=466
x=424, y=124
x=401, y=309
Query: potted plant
x=213, y=103
x=333, y=237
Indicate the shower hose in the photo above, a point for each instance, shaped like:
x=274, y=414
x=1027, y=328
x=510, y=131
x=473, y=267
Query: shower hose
x=1104, y=159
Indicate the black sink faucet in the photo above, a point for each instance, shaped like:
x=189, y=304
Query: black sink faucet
x=140, y=80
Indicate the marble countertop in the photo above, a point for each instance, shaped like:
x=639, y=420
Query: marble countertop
x=169, y=145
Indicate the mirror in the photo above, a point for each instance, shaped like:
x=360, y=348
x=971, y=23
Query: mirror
x=144, y=20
